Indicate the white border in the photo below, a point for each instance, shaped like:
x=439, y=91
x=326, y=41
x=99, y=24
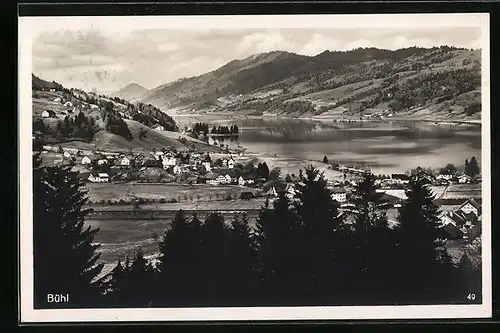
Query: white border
x=28, y=26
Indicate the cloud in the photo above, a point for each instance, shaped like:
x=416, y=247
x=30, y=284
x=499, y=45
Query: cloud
x=168, y=47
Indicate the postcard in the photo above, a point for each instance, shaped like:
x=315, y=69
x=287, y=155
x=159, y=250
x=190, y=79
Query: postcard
x=250, y=168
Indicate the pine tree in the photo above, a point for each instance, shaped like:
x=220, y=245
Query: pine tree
x=473, y=167
x=373, y=242
x=172, y=265
x=320, y=218
x=65, y=258
x=325, y=159
x=277, y=233
x=242, y=262
x=425, y=267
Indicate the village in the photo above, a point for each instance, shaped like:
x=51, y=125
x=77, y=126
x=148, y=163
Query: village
x=460, y=217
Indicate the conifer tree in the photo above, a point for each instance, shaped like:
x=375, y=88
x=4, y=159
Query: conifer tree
x=65, y=257
x=242, y=261
x=319, y=216
x=277, y=232
x=172, y=266
x=424, y=265
x=373, y=242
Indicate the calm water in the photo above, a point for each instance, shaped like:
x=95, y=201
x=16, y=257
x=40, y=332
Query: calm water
x=386, y=147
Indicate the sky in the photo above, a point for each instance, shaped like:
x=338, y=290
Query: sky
x=105, y=59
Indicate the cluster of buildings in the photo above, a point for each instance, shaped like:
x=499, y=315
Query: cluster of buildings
x=463, y=222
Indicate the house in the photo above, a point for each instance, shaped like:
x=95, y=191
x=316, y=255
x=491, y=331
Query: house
x=68, y=104
x=168, y=161
x=339, y=194
x=177, y=170
x=57, y=99
x=86, y=160
x=230, y=163
x=290, y=191
x=464, y=179
x=400, y=178
x=67, y=154
x=471, y=206
x=159, y=128
x=102, y=161
x=241, y=181
x=207, y=165
x=158, y=155
x=272, y=192
x=48, y=114
x=124, y=161
x=221, y=179
x=99, y=178
x=94, y=107
x=444, y=177
x=228, y=178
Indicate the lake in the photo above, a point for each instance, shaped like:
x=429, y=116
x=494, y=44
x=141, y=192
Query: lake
x=387, y=147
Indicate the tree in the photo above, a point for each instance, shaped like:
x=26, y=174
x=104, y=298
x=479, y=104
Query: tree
x=421, y=250
x=130, y=284
x=373, y=243
x=325, y=159
x=320, y=218
x=276, y=235
x=263, y=170
x=62, y=241
x=472, y=168
x=449, y=169
x=242, y=262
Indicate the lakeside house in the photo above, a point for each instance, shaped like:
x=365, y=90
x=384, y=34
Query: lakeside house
x=48, y=114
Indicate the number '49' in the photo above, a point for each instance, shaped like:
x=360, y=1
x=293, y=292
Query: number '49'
x=471, y=297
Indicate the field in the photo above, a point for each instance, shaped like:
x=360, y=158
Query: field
x=182, y=193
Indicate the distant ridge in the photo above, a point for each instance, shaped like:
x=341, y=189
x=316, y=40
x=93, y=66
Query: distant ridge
x=130, y=92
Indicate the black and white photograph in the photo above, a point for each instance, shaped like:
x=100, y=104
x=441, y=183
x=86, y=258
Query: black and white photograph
x=272, y=167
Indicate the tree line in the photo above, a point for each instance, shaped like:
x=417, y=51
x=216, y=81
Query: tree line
x=79, y=126
x=114, y=122
x=300, y=252
x=228, y=130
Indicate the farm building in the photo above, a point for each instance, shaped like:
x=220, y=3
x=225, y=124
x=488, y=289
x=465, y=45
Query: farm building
x=48, y=114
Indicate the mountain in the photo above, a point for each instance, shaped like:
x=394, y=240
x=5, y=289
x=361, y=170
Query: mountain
x=443, y=81
x=39, y=84
x=130, y=92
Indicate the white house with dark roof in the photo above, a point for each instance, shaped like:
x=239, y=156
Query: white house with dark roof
x=339, y=194
x=230, y=163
